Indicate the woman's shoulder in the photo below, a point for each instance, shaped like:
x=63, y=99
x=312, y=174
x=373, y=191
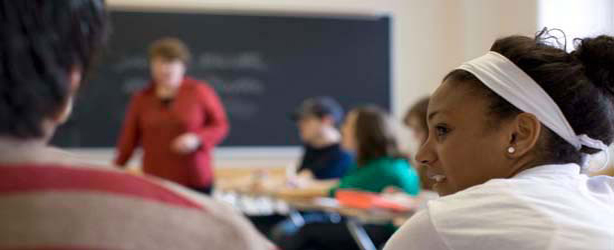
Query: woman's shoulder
x=141, y=95
x=462, y=229
x=494, y=216
x=522, y=214
x=389, y=161
x=398, y=164
x=387, y=167
x=387, y=164
x=417, y=233
x=197, y=84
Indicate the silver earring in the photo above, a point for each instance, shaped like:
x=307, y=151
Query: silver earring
x=511, y=150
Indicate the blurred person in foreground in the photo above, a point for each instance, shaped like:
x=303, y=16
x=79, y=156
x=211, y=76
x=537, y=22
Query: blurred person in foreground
x=50, y=200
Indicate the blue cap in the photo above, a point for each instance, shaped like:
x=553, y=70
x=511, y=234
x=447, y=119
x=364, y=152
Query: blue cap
x=319, y=106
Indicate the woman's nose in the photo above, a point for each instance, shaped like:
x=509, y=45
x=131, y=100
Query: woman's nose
x=425, y=155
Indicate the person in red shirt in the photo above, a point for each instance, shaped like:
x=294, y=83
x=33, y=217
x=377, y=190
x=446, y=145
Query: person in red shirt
x=177, y=121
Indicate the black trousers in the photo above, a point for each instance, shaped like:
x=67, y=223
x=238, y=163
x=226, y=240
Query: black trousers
x=265, y=223
x=203, y=190
x=324, y=236
x=277, y=227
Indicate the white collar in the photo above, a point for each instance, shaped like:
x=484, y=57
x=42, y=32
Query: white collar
x=568, y=169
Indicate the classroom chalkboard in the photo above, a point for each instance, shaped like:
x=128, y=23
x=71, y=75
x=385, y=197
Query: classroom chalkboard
x=262, y=67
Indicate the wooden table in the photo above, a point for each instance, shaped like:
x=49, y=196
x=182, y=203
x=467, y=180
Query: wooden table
x=355, y=218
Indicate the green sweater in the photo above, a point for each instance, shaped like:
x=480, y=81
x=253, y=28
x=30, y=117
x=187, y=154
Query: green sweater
x=378, y=174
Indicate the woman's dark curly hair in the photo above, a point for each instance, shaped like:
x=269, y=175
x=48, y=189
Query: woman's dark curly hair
x=581, y=83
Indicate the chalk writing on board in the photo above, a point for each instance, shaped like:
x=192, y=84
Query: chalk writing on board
x=241, y=108
x=133, y=84
x=134, y=62
x=236, y=61
x=241, y=86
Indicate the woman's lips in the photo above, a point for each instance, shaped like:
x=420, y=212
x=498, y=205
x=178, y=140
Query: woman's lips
x=438, y=178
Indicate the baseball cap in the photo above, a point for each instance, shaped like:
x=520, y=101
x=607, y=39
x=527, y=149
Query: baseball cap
x=319, y=106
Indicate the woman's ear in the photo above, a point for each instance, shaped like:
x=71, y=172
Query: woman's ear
x=524, y=135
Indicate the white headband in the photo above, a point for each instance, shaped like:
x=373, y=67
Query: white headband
x=511, y=83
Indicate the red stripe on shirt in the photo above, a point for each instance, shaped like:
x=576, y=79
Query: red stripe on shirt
x=15, y=179
x=53, y=248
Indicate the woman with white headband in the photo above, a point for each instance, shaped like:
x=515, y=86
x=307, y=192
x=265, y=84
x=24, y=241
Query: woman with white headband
x=508, y=135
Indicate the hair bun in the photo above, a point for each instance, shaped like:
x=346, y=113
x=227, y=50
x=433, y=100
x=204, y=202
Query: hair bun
x=597, y=56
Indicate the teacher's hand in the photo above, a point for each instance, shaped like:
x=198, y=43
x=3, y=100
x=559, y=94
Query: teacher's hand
x=186, y=143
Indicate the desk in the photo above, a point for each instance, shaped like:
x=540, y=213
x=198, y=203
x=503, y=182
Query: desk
x=355, y=218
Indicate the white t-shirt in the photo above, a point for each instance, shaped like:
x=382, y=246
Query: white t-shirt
x=550, y=207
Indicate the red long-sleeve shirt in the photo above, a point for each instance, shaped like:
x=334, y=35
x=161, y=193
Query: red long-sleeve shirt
x=154, y=126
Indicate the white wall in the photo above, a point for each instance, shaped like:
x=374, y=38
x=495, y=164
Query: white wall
x=486, y=20
x=577, y=18
x=430, y=37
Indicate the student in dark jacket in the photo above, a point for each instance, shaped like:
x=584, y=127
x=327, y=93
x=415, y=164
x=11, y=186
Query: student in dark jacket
x=317, y=120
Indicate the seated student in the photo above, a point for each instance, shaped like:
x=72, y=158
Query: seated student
x=368, y=132
x=508, y=135
x=317, y=120
x=48, y=199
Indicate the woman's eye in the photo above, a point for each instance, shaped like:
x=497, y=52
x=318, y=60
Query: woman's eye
x=441, y=130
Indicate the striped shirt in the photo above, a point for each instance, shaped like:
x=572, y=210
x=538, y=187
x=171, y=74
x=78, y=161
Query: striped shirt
x=45, y=206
